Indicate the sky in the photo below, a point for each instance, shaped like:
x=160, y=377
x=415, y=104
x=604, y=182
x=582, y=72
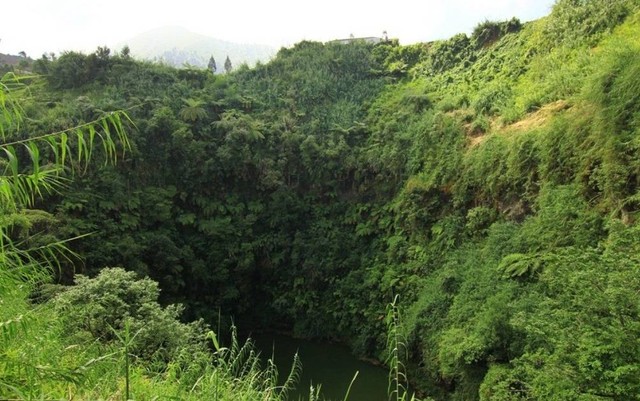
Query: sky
x=40, y=26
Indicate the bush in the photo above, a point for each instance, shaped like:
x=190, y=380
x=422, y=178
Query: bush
x=491, y=99
x=584, y=21
x=487, y=32
x=100, y=307
x=449, y=53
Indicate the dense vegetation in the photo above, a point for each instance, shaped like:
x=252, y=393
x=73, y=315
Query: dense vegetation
x=490, y=181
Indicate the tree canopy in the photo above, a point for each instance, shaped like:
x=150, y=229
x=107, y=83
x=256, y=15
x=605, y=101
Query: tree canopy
x=489, y=181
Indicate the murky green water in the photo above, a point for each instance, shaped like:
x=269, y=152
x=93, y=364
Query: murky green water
x=330, y=365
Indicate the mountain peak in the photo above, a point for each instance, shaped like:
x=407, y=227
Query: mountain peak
x=177, y=46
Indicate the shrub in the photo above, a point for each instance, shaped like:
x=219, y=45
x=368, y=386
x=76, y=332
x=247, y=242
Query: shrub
x=446, y=54
x=487, y=32
x=584, y=21
x=491, y=99
x=100, y=307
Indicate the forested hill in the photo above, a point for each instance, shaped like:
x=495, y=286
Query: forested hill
x=490, y=181
x=177, y=46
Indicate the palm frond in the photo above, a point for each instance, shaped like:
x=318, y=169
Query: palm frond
x=25, y=176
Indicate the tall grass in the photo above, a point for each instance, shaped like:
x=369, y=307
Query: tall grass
x=398, y=389
x=37, y=362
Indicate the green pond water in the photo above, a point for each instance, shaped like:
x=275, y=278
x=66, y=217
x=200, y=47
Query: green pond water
x=330, y=365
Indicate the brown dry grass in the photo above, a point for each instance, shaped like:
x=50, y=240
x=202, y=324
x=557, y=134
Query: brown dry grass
x=531, y=121
x=538, y=118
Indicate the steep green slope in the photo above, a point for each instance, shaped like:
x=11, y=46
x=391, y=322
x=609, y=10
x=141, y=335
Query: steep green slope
x=490, y=181
x=510, y=224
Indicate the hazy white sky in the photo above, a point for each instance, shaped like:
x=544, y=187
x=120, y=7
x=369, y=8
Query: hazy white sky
x=37, y=26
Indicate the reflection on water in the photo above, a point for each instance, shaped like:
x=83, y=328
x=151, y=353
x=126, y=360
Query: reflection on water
x=330, y=365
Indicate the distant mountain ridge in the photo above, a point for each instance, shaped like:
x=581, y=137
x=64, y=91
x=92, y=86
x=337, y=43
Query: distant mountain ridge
x=9, y=59
x=178, y=46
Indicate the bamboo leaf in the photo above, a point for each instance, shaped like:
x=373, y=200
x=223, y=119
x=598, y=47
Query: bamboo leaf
x=34, y=153
x=92, y=135
x=13, y=159
x=63, y=148
x=55, y=148
x=82, y=146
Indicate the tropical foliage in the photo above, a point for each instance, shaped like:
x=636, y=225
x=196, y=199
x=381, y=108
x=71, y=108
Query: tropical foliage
x=107, y=336
x=491, y=181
